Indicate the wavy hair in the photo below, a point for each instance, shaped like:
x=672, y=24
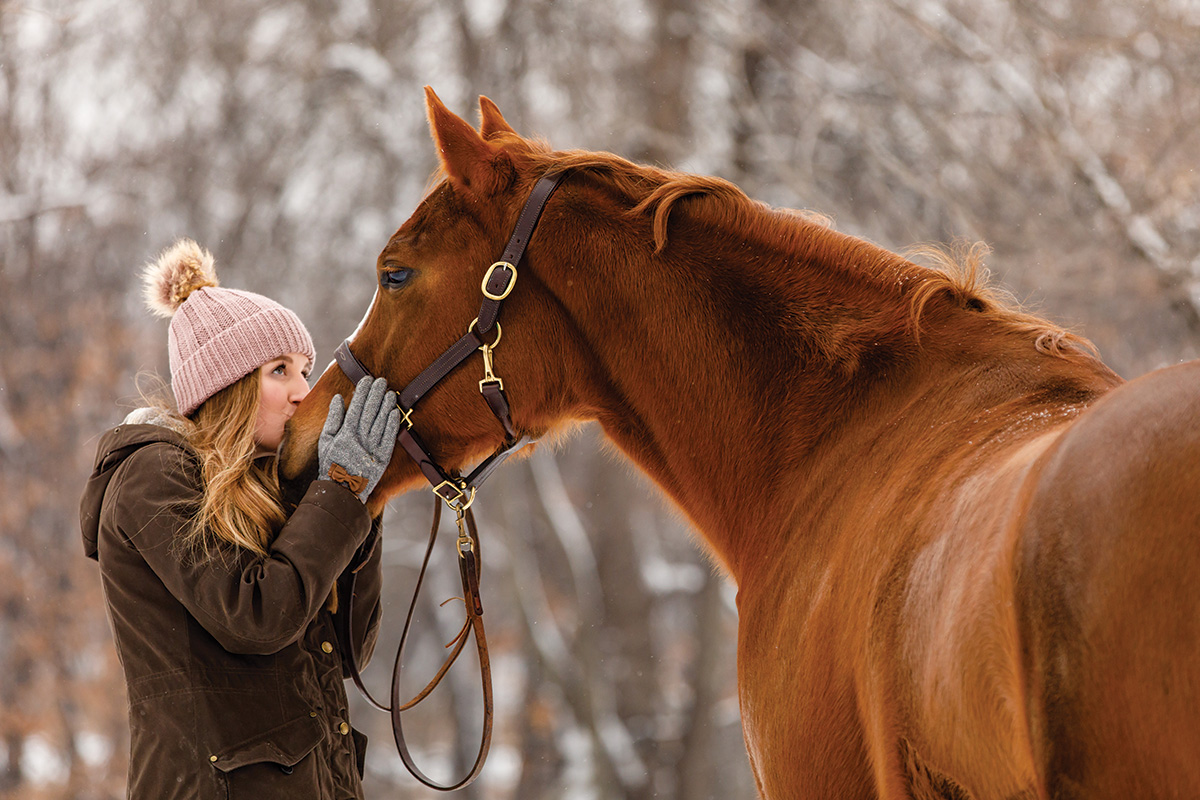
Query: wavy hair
x=241, y=503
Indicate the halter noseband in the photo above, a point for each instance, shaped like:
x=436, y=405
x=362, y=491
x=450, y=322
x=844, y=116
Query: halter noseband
x=457, y=492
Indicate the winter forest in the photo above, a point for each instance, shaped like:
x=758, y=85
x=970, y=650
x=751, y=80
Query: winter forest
x=289, y=137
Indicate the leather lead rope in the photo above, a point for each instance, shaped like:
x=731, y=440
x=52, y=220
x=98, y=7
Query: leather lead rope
x=470, y=567
x=457, y=492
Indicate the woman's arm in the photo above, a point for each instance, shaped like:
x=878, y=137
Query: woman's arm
x=249, y=603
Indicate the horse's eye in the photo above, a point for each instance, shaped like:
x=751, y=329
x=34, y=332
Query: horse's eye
x=395, y=278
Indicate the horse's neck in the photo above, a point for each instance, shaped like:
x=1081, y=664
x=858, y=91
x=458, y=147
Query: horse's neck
x=732, y=389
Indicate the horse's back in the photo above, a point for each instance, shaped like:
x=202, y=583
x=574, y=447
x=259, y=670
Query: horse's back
x=1108, y=591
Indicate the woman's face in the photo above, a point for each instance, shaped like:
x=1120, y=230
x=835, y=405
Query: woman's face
x=284, y=383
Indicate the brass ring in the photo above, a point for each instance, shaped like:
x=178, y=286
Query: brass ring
x=499, y=333
x=464, y=500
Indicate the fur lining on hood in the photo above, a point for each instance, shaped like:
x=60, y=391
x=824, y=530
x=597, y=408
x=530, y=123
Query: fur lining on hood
x=156, y=416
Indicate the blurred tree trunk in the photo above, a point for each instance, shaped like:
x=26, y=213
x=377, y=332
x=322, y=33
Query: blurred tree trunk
x=696, y=774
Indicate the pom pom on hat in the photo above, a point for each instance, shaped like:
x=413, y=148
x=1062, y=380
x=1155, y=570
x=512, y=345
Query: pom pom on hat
x=179, y=270
x=217, y=336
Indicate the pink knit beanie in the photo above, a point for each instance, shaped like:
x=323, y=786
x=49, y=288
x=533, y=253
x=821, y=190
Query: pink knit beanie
x=217, y=336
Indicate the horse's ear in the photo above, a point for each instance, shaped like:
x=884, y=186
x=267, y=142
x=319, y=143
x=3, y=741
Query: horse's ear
x=491, y=121
x=470, y=162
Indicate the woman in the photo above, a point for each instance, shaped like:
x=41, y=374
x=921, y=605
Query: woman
x=222, y=601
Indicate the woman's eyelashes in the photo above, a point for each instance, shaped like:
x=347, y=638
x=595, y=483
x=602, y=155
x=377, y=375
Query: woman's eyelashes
x=286, y=368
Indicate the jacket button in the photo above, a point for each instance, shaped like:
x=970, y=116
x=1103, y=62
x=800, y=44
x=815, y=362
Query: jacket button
x=212, y=758
x=344, y=728
x=285, y=769
x=327, y=647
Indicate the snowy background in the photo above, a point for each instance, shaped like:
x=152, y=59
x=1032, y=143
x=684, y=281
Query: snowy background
x=288, y=136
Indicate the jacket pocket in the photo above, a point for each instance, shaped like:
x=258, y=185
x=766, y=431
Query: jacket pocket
x=274, y=761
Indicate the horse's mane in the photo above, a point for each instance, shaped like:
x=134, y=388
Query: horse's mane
x=960, y=271
x=956, y=272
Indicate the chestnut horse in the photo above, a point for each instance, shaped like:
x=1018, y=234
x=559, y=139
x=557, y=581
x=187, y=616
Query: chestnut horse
x=966, y=552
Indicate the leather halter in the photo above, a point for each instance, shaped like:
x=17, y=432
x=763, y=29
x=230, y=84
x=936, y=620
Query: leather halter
x=457, y=492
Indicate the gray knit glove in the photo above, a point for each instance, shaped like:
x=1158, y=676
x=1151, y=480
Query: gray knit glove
x=356, y=443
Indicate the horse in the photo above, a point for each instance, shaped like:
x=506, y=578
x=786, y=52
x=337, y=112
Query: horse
x=965, y=550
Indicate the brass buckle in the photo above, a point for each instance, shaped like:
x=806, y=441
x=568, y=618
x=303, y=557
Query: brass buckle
x=511, y=281
x=461, y=500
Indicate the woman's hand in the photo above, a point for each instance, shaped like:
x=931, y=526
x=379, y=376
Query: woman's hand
x=356, y=443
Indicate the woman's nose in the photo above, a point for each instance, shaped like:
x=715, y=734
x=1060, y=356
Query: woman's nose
x=300, y=392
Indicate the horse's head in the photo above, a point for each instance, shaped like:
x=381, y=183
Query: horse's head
x=429, y=290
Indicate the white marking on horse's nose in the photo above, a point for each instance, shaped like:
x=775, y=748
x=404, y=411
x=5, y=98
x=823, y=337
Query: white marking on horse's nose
x=363, y=321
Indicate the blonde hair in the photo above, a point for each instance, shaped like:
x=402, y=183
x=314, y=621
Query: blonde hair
x=242, y=504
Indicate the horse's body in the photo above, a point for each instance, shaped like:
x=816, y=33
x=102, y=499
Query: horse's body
x=964, y=549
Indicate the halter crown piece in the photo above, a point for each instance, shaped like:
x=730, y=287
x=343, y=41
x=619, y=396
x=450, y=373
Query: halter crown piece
x=457, y=492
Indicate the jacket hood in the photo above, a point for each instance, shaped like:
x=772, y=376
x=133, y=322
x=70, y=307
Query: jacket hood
x=115, y=446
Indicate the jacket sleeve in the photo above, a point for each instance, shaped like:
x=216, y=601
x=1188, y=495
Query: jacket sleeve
x=249, y=603
x=365, y=606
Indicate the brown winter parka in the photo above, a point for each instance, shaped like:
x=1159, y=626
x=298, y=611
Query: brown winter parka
x=233, y=666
